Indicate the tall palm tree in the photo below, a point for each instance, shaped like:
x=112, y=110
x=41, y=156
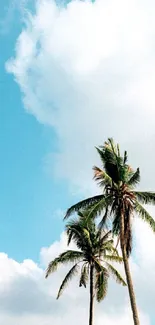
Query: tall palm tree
x=95, y=254
x=119, y=202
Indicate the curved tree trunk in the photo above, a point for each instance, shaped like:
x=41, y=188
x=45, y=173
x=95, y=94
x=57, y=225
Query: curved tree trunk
x=128, y=275
x=91, y=308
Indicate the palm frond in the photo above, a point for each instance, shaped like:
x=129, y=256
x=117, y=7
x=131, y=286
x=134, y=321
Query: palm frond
x=107, y=247
x=70, y=236
x=64, y=258
x=80, y=214
x=72, y=231
x=113, y=258
x=118, y=240
x=98, y=265
x=118, y=150
x=86, y=234
x=79, y=230
x=102, y=177
x=101, y=154
x=84, y=275
x=135, y=178
x=101, y=283
x=75, y=228
x=140, y=210
x=115, y=150
x=115, y=167
x=103, y=223
x=80, y=233
x=101, y=286
x=73, y=271
x=111, y=249
x=125, y=157
x=116, y=274
x=83, y=205
x=97, y=209
x=145, y=197
x=108, y=157
x=104, y=236
x=116, y=220
x=109, y=243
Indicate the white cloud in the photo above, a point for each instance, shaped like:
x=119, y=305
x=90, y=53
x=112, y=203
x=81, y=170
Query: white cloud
x=27, y=298
x=88, y=70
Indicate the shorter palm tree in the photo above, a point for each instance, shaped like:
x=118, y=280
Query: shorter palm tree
x=93, y=257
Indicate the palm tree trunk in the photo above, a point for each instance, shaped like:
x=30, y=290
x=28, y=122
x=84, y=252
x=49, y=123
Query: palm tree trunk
x=91, y=308
x=128, y=275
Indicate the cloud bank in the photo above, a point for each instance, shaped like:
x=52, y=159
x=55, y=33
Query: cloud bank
x=27, y=298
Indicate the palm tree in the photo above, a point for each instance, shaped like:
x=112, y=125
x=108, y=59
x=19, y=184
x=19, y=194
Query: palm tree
x=95, y=254
x=119, y=203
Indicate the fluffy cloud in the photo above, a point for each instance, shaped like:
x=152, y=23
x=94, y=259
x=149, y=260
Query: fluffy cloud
x=88, y=70
x=26, y=297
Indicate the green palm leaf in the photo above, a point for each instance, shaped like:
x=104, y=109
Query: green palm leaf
x=101, y=285
x=144, y=215
x=103, y=221
x=79, y=232
x=73, y=231
x=73, y=271
x=113, y=258
x=97, y=208
x=64, y=258
x=102, y=177
x=104, y=237
x=86, y=235
x=83, y=205
x=135, y=178
x=145, y=197
x=125, y=157
x=84, y=275
x=107, y=247
x=116, y=274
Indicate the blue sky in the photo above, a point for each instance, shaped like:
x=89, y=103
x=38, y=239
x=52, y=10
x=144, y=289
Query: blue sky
x=83, y=74
x=30, y=197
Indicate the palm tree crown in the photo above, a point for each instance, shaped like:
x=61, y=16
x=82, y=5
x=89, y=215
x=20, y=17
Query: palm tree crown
x=118, y=181
x=95, y=247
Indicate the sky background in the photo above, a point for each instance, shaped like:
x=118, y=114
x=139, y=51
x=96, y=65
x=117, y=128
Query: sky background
x=70, y=76
x=31, y=200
